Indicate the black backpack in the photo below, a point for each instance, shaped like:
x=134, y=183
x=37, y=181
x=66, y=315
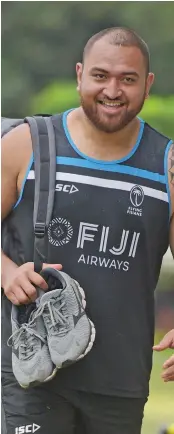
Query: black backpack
x=44, y=150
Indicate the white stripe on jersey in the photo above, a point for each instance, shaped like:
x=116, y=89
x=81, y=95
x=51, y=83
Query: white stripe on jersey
x=106, y=183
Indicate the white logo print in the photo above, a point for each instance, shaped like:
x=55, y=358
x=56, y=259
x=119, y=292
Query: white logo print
x=67, y=188
x=60, y=232
x=84, y=235
x=27, y=429
x=136, y=198
x=136, y=195
x=98, y=241
x=127, y=244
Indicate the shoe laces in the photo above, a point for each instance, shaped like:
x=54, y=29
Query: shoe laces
x=25, y=338
x=55, y=314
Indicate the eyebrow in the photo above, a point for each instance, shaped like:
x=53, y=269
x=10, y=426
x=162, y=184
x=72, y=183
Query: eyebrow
x=130, y=73
x=99, y=69
x=95, y=69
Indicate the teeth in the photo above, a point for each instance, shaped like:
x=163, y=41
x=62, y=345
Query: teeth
x=111, y=104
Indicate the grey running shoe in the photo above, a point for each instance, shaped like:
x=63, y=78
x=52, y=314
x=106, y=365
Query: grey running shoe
x=31, y=360
x=70, y=333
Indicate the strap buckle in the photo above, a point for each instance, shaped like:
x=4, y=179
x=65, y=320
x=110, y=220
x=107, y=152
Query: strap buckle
x=39, y=229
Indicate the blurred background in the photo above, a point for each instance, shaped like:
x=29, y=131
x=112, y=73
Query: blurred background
x=41, y=43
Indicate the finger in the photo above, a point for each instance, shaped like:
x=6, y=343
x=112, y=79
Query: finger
x=168, y=372
x=169, y=362
x=37, y=280
x=168, y=379
x=166, y=342
x=21, y=295
x=56, y=266
x=159, y=348
x=13, y=299
x=29, y=289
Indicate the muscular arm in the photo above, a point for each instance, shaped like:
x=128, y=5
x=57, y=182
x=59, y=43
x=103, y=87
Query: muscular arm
x=19, y=283
x=168, y=339
x=172, y=236
x=171, y=186
x=16, y=150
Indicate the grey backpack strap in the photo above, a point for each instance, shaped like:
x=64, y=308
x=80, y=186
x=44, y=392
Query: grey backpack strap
x=44, y=150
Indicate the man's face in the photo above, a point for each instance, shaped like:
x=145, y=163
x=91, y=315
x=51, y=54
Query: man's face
x=113, y=85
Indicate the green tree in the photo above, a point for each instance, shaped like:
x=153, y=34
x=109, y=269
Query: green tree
x=42, y=41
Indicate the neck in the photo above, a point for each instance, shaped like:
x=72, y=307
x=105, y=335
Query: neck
x=98, y=144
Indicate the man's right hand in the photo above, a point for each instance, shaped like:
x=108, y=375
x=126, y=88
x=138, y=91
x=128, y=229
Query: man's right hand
x=20, y=285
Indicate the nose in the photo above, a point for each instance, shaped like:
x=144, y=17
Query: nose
x=112, y=90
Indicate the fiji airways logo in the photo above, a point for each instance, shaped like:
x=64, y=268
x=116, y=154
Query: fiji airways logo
x=97, y=241
x=86, y=233
x=126, y=245
x=136, y=198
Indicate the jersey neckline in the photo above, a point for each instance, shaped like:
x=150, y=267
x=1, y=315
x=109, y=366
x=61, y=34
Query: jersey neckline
x=86, y=157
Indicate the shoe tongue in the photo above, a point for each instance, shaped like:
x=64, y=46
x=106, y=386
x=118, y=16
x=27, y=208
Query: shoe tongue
x=50, y=295
x=24, y=312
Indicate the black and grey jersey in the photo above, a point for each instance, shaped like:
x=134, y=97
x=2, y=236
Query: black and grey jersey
x=110, y=230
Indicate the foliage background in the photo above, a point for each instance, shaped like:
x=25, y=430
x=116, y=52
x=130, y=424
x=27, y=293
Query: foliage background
x=41, y=42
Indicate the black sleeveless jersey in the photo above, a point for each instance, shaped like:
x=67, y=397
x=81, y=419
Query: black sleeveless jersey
x=109, y=230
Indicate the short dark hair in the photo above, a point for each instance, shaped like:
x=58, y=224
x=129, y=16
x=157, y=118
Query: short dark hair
x=120, y=36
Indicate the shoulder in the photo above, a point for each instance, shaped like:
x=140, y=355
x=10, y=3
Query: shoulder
x=16, y=136
x=16, y=147
x=16, y=151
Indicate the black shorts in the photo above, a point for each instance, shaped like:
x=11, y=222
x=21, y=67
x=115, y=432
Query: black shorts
x=45, y=411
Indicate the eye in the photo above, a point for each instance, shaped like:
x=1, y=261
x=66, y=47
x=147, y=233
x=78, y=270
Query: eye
x=99, y=76
x=128, y=79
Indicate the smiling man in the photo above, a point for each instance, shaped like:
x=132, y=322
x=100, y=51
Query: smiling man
x=119, y=220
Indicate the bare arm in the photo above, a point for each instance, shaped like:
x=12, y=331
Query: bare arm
x=171, y=186
x=168, y=339
x=15, y=154
x=19, y=283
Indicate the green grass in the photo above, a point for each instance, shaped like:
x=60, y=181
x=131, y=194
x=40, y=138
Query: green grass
x=159, y=410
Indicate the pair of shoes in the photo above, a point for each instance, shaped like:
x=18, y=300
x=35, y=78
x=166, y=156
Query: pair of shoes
x=54, y=332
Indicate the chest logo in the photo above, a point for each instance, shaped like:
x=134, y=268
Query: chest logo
x=60, y=232
x=67, y=188
x=136, y=199
x=136, y=195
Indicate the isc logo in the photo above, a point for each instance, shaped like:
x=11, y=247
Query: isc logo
x=67, y=188
x=27, y=429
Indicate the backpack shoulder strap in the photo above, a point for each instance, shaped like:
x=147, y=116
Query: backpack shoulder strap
x=44, y=150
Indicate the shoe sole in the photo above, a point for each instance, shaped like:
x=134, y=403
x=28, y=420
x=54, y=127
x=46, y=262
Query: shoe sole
x=37, y=383
x=92, y=332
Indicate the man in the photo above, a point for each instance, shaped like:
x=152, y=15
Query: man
x=118, y=214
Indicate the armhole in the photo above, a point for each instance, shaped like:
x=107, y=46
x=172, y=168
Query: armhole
x=166, y=175
x=24, y=181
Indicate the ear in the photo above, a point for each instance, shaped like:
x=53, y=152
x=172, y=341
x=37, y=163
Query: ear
x=79, y=68
x=149, y=83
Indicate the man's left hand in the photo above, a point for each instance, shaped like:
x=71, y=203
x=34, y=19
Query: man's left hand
x=168, y=366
